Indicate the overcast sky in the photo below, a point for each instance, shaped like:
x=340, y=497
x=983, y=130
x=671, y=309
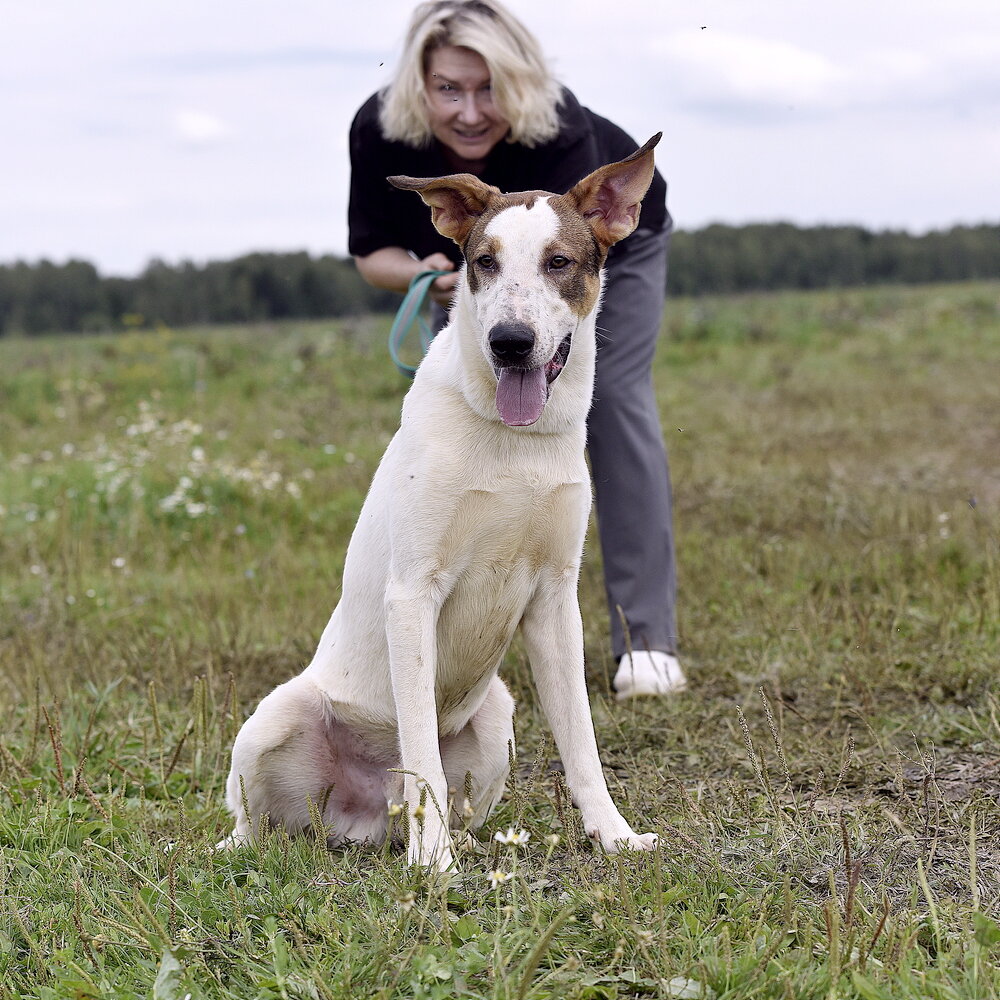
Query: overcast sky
x=201, y=129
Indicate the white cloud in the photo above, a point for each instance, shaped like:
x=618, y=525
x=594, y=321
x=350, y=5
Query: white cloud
x=731, y=74
x=713, y=66
x=199, y=128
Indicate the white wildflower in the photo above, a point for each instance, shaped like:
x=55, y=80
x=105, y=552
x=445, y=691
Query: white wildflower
x=515, y=838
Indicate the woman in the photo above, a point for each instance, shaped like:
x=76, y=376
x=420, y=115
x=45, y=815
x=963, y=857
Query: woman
x=472, y=94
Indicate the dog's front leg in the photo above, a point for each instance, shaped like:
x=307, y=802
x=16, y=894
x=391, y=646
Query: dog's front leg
x=411, y=621
x=553, y=632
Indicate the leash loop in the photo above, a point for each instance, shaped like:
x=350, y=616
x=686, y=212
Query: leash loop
x=408, y=315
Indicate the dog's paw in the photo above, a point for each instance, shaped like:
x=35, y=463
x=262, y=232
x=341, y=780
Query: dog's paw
x=231, y=843
x=640, y=842
x=629, y=841
x=430, y=851
x=438, y=863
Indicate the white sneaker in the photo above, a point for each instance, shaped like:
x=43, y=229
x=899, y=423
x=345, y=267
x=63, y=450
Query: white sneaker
x=648, y=673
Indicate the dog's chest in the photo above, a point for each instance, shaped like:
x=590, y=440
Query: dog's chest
x=501, y=547
x=492, y=532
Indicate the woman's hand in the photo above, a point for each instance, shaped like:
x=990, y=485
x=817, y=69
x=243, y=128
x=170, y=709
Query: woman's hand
x=393, y=268
x=443, y=289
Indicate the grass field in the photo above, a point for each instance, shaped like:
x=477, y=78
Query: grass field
x=174, y=511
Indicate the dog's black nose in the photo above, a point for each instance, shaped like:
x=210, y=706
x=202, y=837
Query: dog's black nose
x=511, y=343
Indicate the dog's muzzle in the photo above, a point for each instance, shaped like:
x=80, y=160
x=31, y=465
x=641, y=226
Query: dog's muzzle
x=522, y=392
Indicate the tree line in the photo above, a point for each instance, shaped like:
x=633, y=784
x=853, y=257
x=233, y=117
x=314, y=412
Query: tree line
x=73, y=297
x=44, y=297
x=721, y=259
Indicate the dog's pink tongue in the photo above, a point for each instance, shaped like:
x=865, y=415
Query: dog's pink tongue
x=521, y=396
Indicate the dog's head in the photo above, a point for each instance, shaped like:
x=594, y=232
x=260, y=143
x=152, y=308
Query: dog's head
x=533, y=266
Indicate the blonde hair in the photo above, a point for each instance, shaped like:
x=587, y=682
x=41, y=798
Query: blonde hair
x=524, y=90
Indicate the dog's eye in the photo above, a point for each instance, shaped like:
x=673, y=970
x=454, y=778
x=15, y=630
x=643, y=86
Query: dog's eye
x=486, y=262
x=558, y=262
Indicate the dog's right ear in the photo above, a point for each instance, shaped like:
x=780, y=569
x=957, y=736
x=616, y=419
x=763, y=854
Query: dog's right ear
x=456, y=201
x=610, y=198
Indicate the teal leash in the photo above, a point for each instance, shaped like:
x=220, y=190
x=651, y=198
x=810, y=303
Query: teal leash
x=409, y=315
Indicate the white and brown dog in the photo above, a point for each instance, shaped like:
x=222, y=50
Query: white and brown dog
x=474, y=525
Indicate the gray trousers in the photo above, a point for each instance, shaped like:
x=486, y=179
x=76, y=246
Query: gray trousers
x=627, y=458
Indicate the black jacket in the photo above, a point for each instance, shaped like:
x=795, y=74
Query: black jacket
x=380, y=215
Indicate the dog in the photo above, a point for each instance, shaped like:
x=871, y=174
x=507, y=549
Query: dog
x=474, y=526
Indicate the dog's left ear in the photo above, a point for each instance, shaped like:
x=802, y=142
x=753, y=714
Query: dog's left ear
x=610, y=198
x=456, y=201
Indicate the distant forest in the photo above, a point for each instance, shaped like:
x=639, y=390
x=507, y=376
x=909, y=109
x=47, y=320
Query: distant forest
x=73, y=297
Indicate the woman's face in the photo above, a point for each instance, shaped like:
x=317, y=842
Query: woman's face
x=460, y=104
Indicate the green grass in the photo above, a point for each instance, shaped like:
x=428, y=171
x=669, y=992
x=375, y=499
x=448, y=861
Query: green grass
x=174, y=511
